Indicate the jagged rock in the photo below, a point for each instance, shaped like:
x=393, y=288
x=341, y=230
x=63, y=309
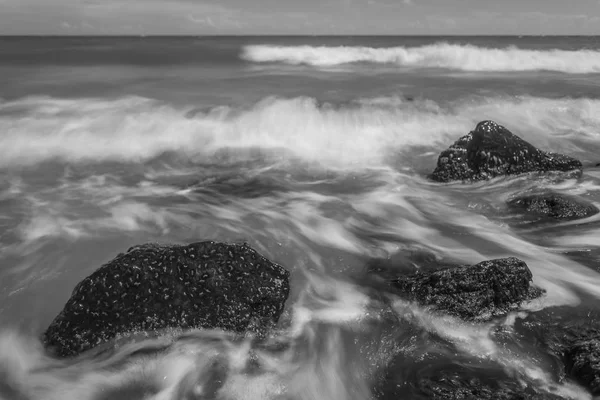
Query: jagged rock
x=476, y=292
x=152, y=287
x=492, y=150
x=554, y=205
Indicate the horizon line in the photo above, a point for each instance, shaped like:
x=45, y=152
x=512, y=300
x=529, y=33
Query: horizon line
x=283, y=35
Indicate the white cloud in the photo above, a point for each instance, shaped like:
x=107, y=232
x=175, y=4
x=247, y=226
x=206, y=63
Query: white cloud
x=202, y=21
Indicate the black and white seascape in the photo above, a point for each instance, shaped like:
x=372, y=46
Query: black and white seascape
x=298, y=217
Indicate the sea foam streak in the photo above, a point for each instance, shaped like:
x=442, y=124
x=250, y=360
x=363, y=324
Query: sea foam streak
x=360, y=134
x=439, y=55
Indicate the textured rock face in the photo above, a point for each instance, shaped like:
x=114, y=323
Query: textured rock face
x=153, y=287
x=453, y=378
x=492, y=150
x=461, y=387
x=476, y=292
x=554, y=205
x=582, y=359
x=574, y=338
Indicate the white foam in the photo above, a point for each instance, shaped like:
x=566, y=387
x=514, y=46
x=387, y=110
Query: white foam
x=477, y=341
x=439, y=55
x=363, y=135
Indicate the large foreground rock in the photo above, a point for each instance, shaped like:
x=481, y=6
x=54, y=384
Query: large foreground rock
x=476, y=292
x=152, y=287
x=492, y=150
x=553, y=205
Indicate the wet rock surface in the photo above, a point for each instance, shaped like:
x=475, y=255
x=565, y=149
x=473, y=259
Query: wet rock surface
x=434, y=377
x=154, y=287
x=476, y=292
x=553, y=205
x=582, y=360
x=406, y=263
x=574, y=338
x=491, y=150
x=463, y=387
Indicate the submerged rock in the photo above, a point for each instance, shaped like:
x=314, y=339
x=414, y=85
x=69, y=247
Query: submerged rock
x=574, y=338
x=465, y=387
x=554, y=205
x=492, y=150
x=152, y=287
x=454, y=376
x=476, y=292
x=582, y=359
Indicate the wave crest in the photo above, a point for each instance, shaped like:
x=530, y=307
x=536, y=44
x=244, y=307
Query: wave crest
x=363, y=133
x=439, y=55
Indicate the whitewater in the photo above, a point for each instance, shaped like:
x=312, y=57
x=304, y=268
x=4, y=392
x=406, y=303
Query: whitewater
x=316, y=152
x=367, y=132
x=438, y=55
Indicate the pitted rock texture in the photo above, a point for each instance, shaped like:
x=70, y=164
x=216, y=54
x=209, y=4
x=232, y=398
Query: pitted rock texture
x=554, y=205
x=478, y=292
x=153, y=287
x=491, y=150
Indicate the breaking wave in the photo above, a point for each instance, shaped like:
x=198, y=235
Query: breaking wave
x=363, y=133
x=439, y=55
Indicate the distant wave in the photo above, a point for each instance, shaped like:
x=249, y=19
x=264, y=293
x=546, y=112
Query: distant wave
x=440, y=55
x=356, y=134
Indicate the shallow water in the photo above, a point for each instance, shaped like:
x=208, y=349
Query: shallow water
x=321, y=166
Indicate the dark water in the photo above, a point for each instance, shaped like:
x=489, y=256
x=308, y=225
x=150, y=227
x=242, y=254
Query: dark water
x=315, y=151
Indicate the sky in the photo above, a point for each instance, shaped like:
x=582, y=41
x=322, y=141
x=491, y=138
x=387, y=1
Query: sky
x=307, y=17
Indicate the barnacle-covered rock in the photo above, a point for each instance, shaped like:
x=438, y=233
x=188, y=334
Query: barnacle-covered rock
x=491, y=150
x=477, y=292
x=553, y=205
x=152, y=287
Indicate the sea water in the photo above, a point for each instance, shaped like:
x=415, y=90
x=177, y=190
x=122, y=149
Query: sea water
x=315, y=151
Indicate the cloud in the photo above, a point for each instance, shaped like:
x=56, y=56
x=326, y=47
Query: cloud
x=203, y=21
x=288, y=16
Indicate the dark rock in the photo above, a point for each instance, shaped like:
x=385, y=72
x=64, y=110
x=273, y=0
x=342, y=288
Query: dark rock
x=574, y=339
x=582, y=361
x=405, y=263
x=554, y=205
x=152, y=287
x=463, y=387
x=455, y=378
x=476, y=292
x=492, y=150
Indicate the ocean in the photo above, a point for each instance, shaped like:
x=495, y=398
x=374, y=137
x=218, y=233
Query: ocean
x=315, y=151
